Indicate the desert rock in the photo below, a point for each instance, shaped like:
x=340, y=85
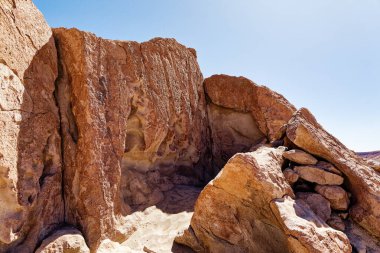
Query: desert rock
x=337, y=196
x=363, y=182
x=290, y=176
x=31, y=203
x=65, y=240
x=316, y=175
x=328, y=167
x=336, y=222
x=317, y=203
x=300, y=157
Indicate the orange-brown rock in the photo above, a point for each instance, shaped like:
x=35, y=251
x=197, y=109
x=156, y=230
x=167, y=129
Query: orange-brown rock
x=248, y=208
x=317, y=203
x=133, y=122
x=242, y=114
x=337, y=196
x=30, y=165
x=300, y=157
x=290, y=176
x=316, y=175
x=362, y=181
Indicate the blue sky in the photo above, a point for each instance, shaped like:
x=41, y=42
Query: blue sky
x=323, y=55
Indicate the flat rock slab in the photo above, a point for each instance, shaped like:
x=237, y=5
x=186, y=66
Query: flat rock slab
x=316, y=175
x=337, y=196
x=328, y=167
x=300, y=157
x=290, y=176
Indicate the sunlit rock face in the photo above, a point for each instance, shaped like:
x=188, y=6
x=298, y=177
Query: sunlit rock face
x=30, y=163
x=134, y=125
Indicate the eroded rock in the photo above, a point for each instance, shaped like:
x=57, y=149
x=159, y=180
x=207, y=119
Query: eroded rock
x=300, y=157
x=362, y=181
x=316, y=175
x=336, y=195
x=290, y=176
x=65, y=240
x=317, y=203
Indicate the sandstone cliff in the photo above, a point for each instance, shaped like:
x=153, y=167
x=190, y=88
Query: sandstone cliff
x=103, y=141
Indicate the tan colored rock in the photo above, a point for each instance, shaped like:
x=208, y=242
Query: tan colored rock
x=305, y=230
x=242, y=114
x=328, y=167
x=133, y=119
x=337, y=196
x=300, y=157
x=241, y=211
x=30, y=165
x=290, y=176
x=316, y=175
x=65, y=240
x=317, y=203
x=363, y=182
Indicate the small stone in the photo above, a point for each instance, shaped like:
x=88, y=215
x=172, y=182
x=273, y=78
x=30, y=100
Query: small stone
x=337, y=196
x=318, y=204
x=290, y=176
x=300, y=157
x=328, y=167
x=337, y=223
x=316, y=175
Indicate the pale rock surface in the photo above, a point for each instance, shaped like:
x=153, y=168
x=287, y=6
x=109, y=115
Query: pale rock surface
x=290, y=176
x=133, y=121
x=242, y=114
x=317, y=203
x=244, y=210
x=31, y=204
x=336, y=195
x=362, y=181
x=316, y=175
x=305, y=230
x=64, y=240
x=300, y=157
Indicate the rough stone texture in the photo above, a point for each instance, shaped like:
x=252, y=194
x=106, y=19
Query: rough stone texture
x=337, y=196
x=360, y=240
x=290, y=176
x=242, y=114
x=336, y=222
x=306, y=231
x=133, y=122
x=328, y=167
x=30, y=166
x=316, y=175
x=318, y=204
x=371, y=158
x=362, y=181
x=300, y=157
x=244, y=210
x=65, y=240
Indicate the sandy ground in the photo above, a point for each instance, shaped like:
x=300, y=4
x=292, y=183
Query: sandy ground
x=157, y=226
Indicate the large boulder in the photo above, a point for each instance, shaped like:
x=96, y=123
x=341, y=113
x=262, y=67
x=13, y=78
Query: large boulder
x=362, y=181
x=31, y=204
x=249, y=207
x=133, y=123
x=242, y=114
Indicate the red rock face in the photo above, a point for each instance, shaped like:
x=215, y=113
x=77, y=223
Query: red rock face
x=133, y=123
x=242, y=114
x=30, y=163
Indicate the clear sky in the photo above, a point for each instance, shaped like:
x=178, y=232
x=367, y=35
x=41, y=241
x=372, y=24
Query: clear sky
x=323, y=55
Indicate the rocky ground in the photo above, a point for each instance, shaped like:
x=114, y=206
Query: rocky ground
x=120, y=146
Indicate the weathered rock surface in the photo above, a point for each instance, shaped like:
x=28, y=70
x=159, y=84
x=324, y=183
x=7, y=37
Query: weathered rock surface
x=242, y=114
x=306, y=231
x=316, y=175
x=337, y=196
x=362, y=181
x=336, y=222
x=65, y=240
x=317, y=203
x=133, y=122
x=30, y=165
x=300, y=157
x=248, y=208
x=328, y=167
x=290, y=176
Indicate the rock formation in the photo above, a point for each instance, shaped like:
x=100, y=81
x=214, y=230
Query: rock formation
x=100, y=139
